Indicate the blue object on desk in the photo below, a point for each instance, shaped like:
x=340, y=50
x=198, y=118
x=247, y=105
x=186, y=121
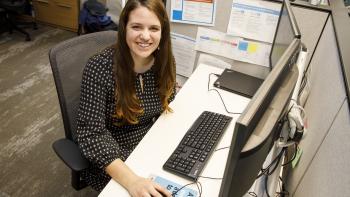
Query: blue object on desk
x=174, y=187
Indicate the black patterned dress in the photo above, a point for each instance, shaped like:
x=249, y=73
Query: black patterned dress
x=101, y=141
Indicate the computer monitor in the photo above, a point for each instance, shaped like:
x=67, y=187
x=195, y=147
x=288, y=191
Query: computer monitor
x=287, y=29
x=258, y=125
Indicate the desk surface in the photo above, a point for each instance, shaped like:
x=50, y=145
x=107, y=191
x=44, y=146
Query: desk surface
x=161, y=140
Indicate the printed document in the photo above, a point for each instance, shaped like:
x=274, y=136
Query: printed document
x=213, y=61
x=200, y=12
x=254, y=19
x=184, y=53
x=219, y=43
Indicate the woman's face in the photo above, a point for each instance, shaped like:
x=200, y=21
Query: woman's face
x=143, y=33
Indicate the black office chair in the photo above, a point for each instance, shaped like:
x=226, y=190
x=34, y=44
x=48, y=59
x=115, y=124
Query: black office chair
x=9, y=10
x=68, y=60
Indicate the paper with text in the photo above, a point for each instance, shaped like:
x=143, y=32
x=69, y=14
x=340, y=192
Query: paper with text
x=254, y=19
x=237, y=48
x=213, y=61
x=184, y=53
x=200, y=12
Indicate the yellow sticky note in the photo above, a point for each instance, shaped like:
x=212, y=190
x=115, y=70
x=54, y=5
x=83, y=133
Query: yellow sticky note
x=252, y=47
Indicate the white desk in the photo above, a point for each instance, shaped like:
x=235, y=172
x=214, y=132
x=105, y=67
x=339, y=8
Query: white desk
x=162, y=139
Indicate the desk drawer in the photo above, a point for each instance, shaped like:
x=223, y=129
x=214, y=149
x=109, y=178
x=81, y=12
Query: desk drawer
x=63, y=13
x=72, y=3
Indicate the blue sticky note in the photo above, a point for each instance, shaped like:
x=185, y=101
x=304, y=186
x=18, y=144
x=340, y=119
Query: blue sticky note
x=174, y=188
x=177, y=15
x=243, y=46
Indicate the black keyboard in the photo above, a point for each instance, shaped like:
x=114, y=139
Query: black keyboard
x=192, y=153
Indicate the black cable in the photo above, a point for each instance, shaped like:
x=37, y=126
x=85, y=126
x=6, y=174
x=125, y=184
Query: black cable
x=222, y=100
x=221, y=148
x=294, y=155
x=207, y=177
x=174, y=193
x=253, y=194
x=264, y=170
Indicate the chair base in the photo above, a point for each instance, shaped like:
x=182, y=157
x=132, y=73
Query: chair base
x=76, y=181
x=12, y=24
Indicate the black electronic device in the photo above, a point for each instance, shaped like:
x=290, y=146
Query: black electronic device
x=195, y=148
x=238, y=83
x=259, y=124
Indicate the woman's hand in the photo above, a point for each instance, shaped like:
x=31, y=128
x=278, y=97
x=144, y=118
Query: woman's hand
x=142, y=187
x=137, y=186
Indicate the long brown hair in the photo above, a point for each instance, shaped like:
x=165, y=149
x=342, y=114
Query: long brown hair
x=127, y=105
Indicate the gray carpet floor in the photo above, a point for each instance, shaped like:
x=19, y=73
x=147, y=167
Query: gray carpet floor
x=30, y=118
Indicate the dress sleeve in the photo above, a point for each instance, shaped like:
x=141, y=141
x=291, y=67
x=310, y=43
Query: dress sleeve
x=94, y=139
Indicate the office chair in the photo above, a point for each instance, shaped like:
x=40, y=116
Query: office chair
x=68, y=60
x=9, y=10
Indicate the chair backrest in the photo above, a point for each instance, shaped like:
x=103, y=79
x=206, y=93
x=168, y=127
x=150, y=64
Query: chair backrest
x=68, y=60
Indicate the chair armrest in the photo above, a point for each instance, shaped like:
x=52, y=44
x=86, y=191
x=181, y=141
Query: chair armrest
x=70, y=154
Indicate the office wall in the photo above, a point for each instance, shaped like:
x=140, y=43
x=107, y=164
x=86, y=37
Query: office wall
x=310, y=29
x=223, y=11
x=323, y=168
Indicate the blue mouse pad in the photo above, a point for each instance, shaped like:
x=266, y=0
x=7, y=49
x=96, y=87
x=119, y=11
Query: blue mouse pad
x=174, y=187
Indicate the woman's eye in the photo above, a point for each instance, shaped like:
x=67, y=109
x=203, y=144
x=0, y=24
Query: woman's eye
x=136, y=27
x=154, y=29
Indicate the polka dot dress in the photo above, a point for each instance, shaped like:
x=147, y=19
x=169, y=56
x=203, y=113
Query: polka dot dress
x=101, y=141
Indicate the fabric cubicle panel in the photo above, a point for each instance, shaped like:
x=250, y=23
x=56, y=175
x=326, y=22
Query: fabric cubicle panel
x=325, y=101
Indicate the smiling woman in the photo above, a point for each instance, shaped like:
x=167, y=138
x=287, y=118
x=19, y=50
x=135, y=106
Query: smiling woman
x=124, y=89
x=143, y=37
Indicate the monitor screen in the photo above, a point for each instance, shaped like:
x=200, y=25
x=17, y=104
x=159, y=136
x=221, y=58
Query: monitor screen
x=286, y=31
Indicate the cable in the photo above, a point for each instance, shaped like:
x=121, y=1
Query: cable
x=294, y=155
x=207, y=177
x=200, y=189
x=198, y=184
x=222, y=100
x=253, y=194
x=221, y=148
x=175, y=192
x=264, y=170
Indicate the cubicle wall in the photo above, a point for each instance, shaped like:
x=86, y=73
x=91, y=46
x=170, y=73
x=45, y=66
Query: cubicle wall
x=324, y=166
x=221, y=21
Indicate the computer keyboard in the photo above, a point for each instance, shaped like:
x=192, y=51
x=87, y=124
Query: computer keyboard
x=192, y=153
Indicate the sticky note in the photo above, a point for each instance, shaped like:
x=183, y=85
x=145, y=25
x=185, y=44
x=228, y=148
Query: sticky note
x=252, y=47
x=297, y=157
x=243, y=46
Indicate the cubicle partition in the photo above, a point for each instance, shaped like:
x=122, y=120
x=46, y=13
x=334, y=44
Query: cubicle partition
x=323, y=167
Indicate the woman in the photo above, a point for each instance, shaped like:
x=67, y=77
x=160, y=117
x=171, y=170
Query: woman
x=124, y=89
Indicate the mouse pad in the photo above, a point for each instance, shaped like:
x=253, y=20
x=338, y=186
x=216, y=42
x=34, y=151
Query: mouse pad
x=174, y=187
